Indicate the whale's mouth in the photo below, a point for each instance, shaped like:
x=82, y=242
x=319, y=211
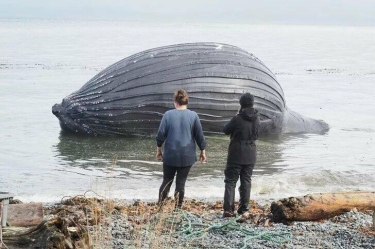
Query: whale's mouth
x=57, y=110
x=67, y=123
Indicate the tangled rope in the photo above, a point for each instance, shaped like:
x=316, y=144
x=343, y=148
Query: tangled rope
x=191, y=227
x=190, y=231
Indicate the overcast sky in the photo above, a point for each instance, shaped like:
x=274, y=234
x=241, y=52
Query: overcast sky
x=331, y=12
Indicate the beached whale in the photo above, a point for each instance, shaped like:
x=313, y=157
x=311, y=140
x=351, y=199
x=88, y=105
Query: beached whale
x=131, y=96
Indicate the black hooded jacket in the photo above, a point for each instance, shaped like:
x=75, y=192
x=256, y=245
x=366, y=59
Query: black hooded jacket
x=243, y=130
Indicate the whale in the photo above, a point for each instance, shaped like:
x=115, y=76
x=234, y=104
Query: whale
x=131, y=96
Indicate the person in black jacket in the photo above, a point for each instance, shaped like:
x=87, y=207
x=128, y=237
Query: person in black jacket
x=243, y=130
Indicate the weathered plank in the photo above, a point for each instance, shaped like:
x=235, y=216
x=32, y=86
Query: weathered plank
x=25, y=215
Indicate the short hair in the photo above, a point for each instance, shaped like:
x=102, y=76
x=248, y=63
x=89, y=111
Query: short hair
x=181, y=97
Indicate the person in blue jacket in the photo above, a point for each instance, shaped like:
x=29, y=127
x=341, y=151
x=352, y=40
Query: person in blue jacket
x=242, y=152
x=180, y=130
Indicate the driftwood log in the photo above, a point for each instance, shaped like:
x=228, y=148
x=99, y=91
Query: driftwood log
x=321, y=206
x=48, y=234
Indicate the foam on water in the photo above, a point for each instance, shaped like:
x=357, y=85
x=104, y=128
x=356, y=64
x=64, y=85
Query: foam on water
x=265, y=188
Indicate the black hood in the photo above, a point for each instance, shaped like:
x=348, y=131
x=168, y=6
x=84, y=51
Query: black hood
x=250, y=114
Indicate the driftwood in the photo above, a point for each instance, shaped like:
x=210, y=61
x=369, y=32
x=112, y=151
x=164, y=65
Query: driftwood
x=48, y=234
x=25, y=215
x=321, y=206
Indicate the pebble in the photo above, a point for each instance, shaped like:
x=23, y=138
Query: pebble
x=339, y=232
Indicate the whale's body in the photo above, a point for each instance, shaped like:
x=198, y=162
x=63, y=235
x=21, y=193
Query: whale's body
x=131, y=96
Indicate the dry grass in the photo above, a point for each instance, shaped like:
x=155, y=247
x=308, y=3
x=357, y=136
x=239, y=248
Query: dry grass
x=152, y=225
x=149, y=224
x=156, y=225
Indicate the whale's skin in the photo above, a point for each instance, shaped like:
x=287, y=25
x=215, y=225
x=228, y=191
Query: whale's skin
x=131, y=96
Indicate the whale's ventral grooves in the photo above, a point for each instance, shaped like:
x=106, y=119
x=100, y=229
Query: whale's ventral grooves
x=131, y=96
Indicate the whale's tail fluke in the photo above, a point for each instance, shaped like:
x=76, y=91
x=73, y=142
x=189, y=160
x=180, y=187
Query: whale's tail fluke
x=294, y=122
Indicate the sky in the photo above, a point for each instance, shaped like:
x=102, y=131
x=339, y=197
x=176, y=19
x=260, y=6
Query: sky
x=330, y=12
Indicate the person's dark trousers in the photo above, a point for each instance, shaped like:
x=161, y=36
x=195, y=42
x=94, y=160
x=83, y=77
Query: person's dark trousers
x=232, y=172
x=168, y=176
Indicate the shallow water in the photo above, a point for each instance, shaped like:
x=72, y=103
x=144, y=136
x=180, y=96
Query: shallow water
x=326, y=73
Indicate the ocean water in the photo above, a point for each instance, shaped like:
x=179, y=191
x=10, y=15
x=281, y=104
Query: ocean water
x=326, y=72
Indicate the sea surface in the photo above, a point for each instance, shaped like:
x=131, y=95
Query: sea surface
x=326, y=72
